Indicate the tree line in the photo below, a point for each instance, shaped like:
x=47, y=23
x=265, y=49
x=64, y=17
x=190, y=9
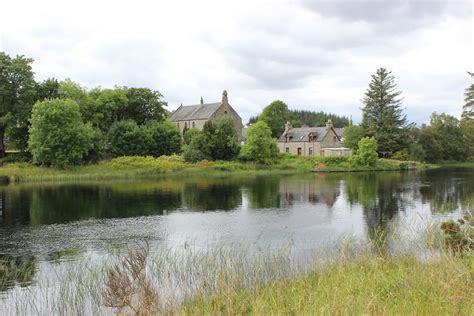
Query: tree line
x=445, y=138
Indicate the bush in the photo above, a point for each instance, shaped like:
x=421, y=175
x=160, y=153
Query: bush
x=367, y=152
x=161, y=138
x=58, y=136
x=125, y=139
x=260, y=146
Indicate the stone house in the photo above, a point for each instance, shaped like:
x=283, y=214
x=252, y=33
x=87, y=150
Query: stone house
x=195, y=116
x=313, y=141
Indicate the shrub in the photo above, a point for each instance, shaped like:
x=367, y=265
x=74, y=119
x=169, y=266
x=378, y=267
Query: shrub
x=367, y=152
x=161, y=138
x=125, y=138
x=260, y=146
x=58, y=136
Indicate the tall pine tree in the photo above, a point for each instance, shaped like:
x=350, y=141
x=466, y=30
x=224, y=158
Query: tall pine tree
x=383, y=115
x=468, y=107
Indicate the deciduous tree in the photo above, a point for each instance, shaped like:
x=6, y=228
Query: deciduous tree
x=58, y=136
x=275, y=115
x=259, y=146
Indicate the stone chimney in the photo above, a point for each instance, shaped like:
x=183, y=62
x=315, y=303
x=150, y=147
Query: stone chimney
x=202, y=101
x=224, y=97
x=288, y=127
x=329, y=124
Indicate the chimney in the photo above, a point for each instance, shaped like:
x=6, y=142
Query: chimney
x=329, y=124
x=224, y=97
x=288, y=127
x=202, y=101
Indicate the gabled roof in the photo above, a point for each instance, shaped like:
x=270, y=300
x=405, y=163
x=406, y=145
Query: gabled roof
x=301, y=134
x=195, y=112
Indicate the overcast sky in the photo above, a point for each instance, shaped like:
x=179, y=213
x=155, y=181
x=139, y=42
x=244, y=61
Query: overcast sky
x=314, y=55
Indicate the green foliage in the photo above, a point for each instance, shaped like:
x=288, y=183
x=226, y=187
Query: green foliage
x=443, y=140
x=106, y=105
x=416, y=152
x=367, y=153
x=352, y=135
x=217, y=141
x=260, y=146
x=467, y=129
x=311, y=118
x=17, y=94
x=47, y=89
x=58, y=136
x=143, y=105
x=468, y=107
x=224, y=143
x=383, y=117
x=275, y=115
x=188, y=134
x=125, y=138
x=161, y=138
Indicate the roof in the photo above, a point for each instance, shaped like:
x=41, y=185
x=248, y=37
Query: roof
x=301, y=134
x=195, y=112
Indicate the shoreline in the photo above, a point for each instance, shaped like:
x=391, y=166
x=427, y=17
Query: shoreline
x=174, y=166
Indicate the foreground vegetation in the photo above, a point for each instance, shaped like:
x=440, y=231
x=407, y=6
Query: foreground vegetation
x=149, y=167
x=352, y=278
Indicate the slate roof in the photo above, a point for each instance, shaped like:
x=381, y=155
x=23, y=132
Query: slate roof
x=301, y=134
x=195, y=112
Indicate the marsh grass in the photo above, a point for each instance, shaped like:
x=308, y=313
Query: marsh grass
x=149, y=167
x=349, y=277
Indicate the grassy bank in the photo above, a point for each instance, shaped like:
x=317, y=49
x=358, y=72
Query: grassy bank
x=376, y=286
x=148, y=167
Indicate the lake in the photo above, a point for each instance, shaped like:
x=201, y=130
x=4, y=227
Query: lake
x=48, y=226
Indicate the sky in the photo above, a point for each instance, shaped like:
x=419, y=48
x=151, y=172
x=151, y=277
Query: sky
x=313, y=55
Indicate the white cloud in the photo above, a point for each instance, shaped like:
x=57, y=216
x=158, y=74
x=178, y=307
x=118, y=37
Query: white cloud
x=314, y=55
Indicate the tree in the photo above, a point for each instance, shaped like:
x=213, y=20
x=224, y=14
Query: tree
x=198, y=148
x=161, y=138
x=106, y=106
x=188, y=134
x=47, y=89
x=311, y=118
x=468, y=108
x=260, y=146
x=143, y=105
x=367, y=153
x=275, y=115
x=58, y=136
x=223, y=142
x=383, y=117
x=125, y=138
x=352, y=135
x=17, y=93
x=443, y=140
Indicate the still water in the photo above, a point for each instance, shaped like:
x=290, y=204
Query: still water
x=50, y=223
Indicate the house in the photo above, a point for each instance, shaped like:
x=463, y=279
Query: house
x=313, y=141
x=195, y=116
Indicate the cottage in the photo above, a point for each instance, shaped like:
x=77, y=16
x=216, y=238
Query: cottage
x=195, y=116
x=313, y=141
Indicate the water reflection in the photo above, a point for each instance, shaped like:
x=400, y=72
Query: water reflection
x=61, y=222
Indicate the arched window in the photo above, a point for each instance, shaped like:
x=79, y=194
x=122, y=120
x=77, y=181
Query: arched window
x=185, y=124
x=194, y=125
x=177, y=124
x=225, y=112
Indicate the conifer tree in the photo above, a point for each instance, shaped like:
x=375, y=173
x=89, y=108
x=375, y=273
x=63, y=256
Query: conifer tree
x=468, y=107
x=383, y=116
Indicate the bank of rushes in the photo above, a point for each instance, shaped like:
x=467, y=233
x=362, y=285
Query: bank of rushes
x=149, y=167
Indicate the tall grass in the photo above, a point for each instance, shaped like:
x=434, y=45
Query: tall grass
x=352, y=278
x=149, y=167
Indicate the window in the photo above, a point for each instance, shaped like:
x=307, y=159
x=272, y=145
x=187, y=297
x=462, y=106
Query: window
x=185, y=124
x=310, y=151
x=287, y=149
x=194, y=125
x=177, y=124
x=334, y=138
x=225, y=112
x=299, y=151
